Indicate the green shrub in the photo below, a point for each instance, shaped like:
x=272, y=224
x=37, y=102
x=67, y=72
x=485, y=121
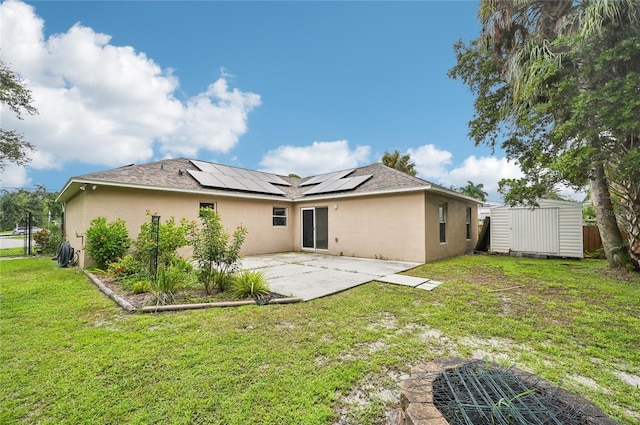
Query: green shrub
x=215, y=251
x=181, y=264
x=250, y=284
x=141, y=286
x=48, y=241
x=127, y=267
x=171, y=236
x=106, y=242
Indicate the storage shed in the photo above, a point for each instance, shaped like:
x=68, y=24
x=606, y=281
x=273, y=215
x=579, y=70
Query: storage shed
x=553, y=229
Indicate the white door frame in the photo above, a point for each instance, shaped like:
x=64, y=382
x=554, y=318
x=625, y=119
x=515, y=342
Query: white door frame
x=314, y=230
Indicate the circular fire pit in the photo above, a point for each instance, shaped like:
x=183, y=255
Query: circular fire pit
x=453, y=391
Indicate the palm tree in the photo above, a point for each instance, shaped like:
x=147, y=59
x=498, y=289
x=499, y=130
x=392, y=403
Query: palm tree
x=528, y=39
x=474, y=190
x=399, y=162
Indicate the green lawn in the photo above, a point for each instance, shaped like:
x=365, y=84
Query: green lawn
x=69, y=356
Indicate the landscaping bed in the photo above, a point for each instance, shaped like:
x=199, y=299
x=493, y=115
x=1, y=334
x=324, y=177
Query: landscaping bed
x=183, y=298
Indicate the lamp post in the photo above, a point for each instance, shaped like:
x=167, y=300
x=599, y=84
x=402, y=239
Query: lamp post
x=155, y=230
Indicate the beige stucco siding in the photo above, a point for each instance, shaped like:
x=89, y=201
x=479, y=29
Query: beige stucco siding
x=389, y=226
x=456, y=229
x=131, y=205
x=257, y=217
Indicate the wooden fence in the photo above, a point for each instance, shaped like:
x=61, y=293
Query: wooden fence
x=591, y=238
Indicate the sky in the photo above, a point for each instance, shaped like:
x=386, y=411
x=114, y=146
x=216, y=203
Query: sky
x=284, y=87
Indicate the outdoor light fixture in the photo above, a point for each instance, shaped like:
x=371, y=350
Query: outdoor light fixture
x=83, y=187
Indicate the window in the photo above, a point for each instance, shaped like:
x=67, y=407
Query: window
x=468, y=222
x=209, y=205
x=442, y=216
x=279, y=216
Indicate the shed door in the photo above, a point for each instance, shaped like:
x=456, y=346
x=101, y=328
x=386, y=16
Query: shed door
x=535, y=230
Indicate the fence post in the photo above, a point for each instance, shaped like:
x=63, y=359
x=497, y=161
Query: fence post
x=28, y=232
x=155, y=230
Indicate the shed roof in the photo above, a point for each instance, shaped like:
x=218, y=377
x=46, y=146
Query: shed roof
x=177, y=175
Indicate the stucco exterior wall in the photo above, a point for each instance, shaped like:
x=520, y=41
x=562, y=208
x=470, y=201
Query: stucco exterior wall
x=388, y=227
x=456, y=228
x=132, y=205
x=395, y=226
x=74, y=227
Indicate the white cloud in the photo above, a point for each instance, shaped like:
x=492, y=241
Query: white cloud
x=430, y=161
x=14, y=176
x=434, y=165
x=487, y=170
x=213, y=120
x=318, y=158
x=105, y=104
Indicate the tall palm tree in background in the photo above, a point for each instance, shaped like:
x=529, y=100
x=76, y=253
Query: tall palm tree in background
x=474, y=190
x=572, y=76
x=399, y=162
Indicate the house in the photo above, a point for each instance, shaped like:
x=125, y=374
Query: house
x=372, y=211
x=554, y=229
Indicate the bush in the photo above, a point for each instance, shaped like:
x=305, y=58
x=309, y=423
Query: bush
x=171, y=236
x=127, y=267
x=48, y=241
x=106, y=242
x=250, y=284
x=216, y=252
x=141, y=286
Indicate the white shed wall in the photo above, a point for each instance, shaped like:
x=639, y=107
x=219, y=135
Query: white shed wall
x=499, y=230
x=555, y=228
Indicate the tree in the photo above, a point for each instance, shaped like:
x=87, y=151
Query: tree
x=548, y=77
x=474, y=190
x=14, y=205
x=399, y=162
x=15, y=95
x=216, y=252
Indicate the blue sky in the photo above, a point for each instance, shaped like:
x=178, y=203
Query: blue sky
x=303, y=87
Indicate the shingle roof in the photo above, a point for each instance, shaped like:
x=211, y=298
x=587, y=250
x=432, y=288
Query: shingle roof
x=171, y=174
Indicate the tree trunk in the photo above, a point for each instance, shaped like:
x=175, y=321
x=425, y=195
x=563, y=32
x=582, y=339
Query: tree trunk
x=624, y=186
x=612, y=242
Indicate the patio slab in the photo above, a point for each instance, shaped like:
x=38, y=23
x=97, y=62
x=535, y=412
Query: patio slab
x=399, y=279
x=311, y=275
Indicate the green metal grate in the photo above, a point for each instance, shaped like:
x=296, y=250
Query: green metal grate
x=480, y=393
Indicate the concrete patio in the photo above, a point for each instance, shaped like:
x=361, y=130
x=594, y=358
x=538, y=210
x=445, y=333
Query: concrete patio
x=311, y=275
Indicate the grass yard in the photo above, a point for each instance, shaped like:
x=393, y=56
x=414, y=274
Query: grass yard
x=69, y=356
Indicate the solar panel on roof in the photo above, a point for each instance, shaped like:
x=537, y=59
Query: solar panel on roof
x=272, y=178
x=206, y=179
x=226, y=177
x=345, y=183
x=204, y=166
x=326, y=177
x=232, y=182
x=228, y=171
x=319, y=188
x=269, y=188
x=355, y=181
x=251, y=185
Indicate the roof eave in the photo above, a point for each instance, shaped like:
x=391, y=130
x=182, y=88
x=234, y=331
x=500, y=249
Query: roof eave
x=455, y=194
x=74, y=185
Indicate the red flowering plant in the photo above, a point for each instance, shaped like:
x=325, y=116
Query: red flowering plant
x=127, y=271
